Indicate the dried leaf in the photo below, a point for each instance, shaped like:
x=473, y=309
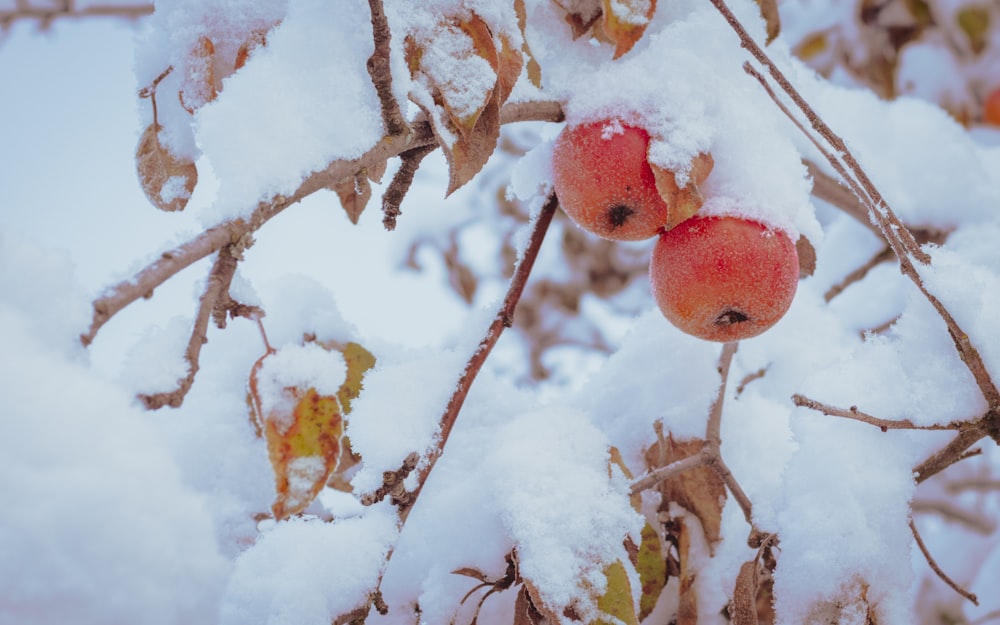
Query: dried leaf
x=652, y=569
x=807, y=256
x=616, y=602
x=534, y=69
x=683, y=202
x=168, y=181
x=625, y=21
x=199, y=83
x=254, y=40
x=743, y=609
x=811, y=46
x=699, y=490
x=772, y=21
x=468, y=571
x=525, y=612
x=305, y=447
x=468, y=135
x=354, y=194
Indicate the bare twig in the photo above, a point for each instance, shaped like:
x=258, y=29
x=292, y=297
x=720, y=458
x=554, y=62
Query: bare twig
x=953, y=452
x=978, y=523
x=67, y=10
x=142, y=284
x=400, y=185
x=934, y=566
x=825, y=187
x=219, y=280
x=885, y=255
x=660, y=474
x=748, y=378
x=379, y=69
x=958, y=486
x=857, y=415
x=503, y=320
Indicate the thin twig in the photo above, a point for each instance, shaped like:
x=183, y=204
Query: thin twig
x=46, y=16
x=978, y=523
x=748, y=378
x=958, y=486
x=217, y=286
x=503, y=320
x=712, y=451
x=953, y=452
x=143, y=283
x=855, y=414
x=379, y=68
x=400, y=185
x=660, y=474
x=883, y=256
x=934, y=566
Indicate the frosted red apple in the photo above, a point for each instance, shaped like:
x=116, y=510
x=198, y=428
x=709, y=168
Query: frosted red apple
x=723, y=278
x=604, y=182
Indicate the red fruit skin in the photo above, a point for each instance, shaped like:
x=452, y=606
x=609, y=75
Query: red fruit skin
x=604, y=182
x=723, y=278
x=991, y=108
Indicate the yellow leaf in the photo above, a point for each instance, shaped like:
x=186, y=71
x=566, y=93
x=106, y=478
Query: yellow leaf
x=306, y=447
x=168, y=181
x=812, y=46
x=534, y=69
x=772, y=21
x=652, y=569
x=625, y=21
x=616, y=602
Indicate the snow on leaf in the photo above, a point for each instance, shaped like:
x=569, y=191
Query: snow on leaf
x=167, y=180
x=462, y=77
x=255, y=39
x=296, y=403
x=625, y=21
x=199, y=85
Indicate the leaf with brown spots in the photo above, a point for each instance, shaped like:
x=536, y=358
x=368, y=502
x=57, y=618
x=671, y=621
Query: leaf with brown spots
x=304, y=429
x=168, y=181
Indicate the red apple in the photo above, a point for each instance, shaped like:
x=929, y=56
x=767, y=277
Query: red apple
x=604, y=182
x=723, y=278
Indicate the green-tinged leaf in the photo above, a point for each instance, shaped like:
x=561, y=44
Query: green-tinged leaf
x=652, y=569
x=617, y=601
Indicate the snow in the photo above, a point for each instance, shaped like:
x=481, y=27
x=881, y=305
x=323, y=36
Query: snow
x=292, y=370
x=88, y=477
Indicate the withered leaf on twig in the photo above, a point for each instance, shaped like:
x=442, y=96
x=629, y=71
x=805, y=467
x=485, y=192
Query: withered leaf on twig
x=167, y=180
x=624, y=22
x=699, y=490
x=465, y=113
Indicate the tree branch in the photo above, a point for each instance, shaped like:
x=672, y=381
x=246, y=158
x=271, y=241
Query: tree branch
x=934, y=566
x=857, y=415
x=379, y=68
x=393, y=196
x=216, y=289
x=46, y=16
x=660, y=474
x=143, y=283
x=951, y=453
